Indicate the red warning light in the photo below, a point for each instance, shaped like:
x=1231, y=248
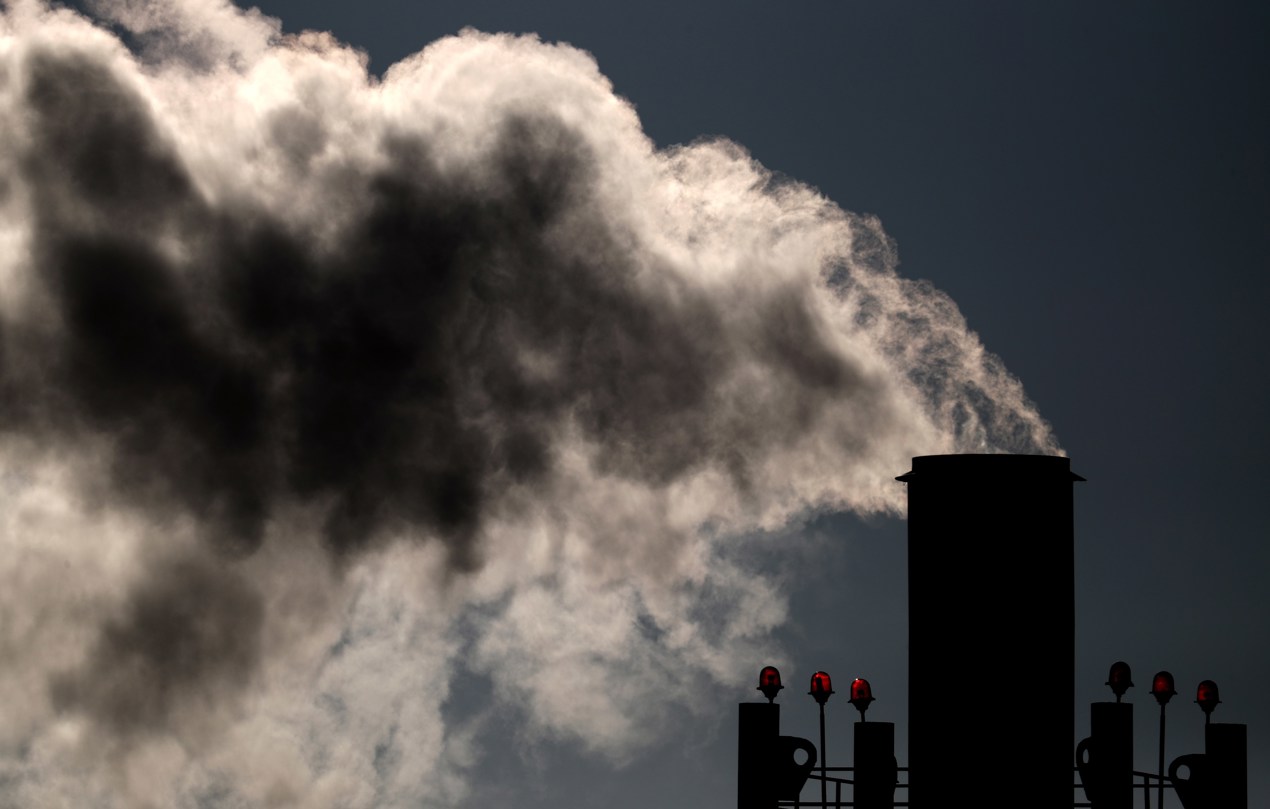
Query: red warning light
x=861, y=695
x=1162, y=687
x=769, y=682
x=1206, y=696
x=821, y=687
x=1120, y=679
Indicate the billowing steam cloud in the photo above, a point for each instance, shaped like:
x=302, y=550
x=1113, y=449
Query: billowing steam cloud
x=319, y=391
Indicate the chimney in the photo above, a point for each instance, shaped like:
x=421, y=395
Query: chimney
x=991, y=638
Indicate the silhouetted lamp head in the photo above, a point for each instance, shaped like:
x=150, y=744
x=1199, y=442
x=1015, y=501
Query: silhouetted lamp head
x=1162, y=687
x=821, y=687
x=861, y=695
x=769, y=682
x=1120, y=679
x=1206, y=696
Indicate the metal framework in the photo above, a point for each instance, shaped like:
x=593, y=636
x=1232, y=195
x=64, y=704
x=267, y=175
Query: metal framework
x=838, y=783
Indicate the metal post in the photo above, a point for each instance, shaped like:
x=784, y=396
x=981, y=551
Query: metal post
x=824, y=784
x=1160, y=789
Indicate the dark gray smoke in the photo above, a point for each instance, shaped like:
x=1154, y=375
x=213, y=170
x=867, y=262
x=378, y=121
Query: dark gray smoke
x=188, y=639
x=386, y=372
x=318, y=384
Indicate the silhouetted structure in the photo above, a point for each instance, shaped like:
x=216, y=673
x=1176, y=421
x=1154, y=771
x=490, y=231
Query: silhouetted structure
x=767, y=770
x=991, y=583
x=875, y=766
x=1105, y=758
x=1214, y=779
x=991, y=607
x=772, y=769
x=1218, y=777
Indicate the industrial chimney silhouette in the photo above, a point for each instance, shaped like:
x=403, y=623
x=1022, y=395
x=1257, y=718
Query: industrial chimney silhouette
x=991, y=629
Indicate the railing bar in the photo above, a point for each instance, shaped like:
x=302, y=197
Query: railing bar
x=850, y=769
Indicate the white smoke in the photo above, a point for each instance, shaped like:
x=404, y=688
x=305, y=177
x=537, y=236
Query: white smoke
x=218, y=585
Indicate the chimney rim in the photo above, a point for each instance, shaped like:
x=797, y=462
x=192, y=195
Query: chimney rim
x=990, y=465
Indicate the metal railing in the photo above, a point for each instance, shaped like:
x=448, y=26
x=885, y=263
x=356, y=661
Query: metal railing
x=837, y=782
x=1161, y=783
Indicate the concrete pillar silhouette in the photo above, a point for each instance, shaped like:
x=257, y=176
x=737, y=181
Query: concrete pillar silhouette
x=1227, y=747
x=769, y=768
x=1105, y=759
x=875, y=765
x=759, y=726
x=1218, y=777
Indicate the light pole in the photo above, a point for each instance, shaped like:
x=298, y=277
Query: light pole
x=1163, y=691
x=821, y=689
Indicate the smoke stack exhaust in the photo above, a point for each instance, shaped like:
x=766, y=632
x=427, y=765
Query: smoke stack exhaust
x=991, y=626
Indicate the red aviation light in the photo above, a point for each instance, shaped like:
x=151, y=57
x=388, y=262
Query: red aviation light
x=1206, y=696
x=1120, y=679
x=1162, y=687
x=769, y=682
x=821, y=687
x=861, y=695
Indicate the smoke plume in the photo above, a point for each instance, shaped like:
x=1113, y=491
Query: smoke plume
x=320, y=392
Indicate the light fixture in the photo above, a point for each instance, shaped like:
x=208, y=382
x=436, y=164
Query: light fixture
x=861, y=695
x=769, y=682
x=1162, y=687
x=1120, y=679
x=1206, y=697
x=821, y=687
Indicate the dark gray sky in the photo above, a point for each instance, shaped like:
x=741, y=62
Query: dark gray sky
x=1091, y=185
